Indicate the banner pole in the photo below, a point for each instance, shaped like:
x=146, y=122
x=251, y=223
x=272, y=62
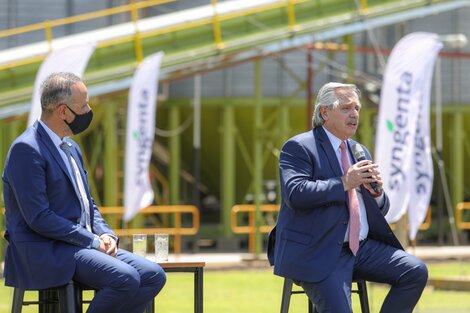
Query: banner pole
x=443, y=195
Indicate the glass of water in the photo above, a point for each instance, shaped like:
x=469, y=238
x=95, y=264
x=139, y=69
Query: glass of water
x=161, y=248
x=139, y=244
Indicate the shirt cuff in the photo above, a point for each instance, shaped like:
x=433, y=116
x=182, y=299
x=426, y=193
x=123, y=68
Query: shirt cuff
x=380, y=200
x=112, y=236
x=96, y=242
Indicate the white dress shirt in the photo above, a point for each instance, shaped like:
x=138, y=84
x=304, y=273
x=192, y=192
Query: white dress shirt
x=364, y=225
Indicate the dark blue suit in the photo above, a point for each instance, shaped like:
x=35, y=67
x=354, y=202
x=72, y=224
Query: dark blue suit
x=47, y=246
x=309, y=235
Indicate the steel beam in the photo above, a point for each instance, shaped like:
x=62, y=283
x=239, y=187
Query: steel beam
x=227, y=171
x=258, y=154
x=175, y=156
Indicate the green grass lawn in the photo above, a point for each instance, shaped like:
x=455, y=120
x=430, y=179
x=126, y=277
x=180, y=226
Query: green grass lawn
x=260, y=291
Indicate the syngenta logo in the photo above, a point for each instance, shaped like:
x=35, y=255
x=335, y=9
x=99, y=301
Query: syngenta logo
x=140, y=135
x=423, y=181
x=398, y=125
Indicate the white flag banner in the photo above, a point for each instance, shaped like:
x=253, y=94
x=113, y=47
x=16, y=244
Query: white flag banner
x=141, y=114
x=402, y=147
x=72, y=59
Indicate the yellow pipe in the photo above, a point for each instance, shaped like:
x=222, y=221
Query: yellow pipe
x=125, y=8
x=424, y=225
x=48, y=33
x=22, y=62
x=251, y=228
x=291, y=14
x=252, y=235
x=459, y=222
x=364, y=9
x=216, y=26
x=107, y=12
x=139, y=54
x=178, y=230
x=82, y=17
x=21, y=30
x=224, y=17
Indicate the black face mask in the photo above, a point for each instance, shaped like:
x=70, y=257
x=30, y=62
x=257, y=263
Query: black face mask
x=81, y=121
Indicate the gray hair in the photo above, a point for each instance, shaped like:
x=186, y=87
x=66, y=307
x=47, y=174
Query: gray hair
x=327, y=97
x=56, y=90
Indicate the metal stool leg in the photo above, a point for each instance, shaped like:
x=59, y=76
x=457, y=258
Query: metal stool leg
x=78, y=294
x=311, y=307
x=286, y=293
x=67, y=298
x=363, y=297
x=17, y=305
x=48, y=300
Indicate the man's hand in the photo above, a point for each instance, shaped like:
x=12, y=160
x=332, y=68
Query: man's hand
x=102, y=246
x=378, y=180
x=363, y=172
x=110, y=246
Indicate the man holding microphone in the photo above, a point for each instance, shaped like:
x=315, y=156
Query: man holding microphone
x=331, y=224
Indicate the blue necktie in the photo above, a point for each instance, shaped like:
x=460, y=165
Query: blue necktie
x=85, y=217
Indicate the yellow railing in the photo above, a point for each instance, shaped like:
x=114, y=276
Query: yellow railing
x=250, y=229
x=47, y=26
x=177, y=230
x=460, y=208
x=425, y=225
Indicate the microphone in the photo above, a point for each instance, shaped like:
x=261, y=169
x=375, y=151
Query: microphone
x=360, y=155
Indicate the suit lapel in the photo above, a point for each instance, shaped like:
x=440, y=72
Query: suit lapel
x=325, y=144
x=46, y=140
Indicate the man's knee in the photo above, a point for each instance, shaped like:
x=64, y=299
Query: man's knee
x=155, y=278
x=160, y=280
x=422, y=273
x=418, y=275
x=127, y=280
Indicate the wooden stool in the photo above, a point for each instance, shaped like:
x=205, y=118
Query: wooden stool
x=287, y=292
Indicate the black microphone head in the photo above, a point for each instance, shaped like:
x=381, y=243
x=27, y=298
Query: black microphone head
x=358, y=152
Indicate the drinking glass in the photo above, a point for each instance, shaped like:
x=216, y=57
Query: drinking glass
x=161, y=247
x=139, y=244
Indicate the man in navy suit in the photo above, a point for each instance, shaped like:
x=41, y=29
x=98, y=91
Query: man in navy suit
x=54, y=230
x=312, y=239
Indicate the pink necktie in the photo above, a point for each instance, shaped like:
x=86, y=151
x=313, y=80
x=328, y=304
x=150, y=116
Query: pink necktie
x=353, y=205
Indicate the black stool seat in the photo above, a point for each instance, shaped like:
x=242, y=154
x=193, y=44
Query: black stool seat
x=287, y=292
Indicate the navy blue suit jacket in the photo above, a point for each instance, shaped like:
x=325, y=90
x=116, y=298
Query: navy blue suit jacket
x=43, y=213
x=313, y=217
